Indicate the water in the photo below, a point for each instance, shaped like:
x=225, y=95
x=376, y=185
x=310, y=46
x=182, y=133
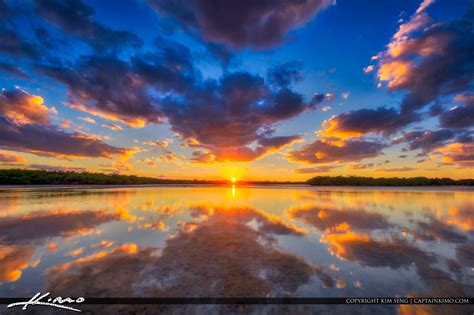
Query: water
x=201, y=241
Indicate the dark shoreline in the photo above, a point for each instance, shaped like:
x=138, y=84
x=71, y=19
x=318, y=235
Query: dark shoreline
x=38, y=178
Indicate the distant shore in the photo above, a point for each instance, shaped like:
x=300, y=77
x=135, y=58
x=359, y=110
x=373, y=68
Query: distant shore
x=55, y=179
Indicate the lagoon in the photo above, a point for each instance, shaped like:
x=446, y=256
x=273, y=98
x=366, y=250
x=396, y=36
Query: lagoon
x=233, y=241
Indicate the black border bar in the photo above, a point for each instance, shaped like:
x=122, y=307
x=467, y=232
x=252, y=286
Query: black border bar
x=263, y=301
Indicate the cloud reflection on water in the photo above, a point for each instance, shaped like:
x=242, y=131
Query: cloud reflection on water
x=262, y=242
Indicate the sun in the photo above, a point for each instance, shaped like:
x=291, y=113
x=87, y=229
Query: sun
x=233, y=180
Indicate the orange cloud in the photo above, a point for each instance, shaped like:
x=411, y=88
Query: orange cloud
x=132, y=122
x=14, y=259
x=458, y=153
x=20, y=108
x=332, y=128
x=11, y=158
x=127, y=248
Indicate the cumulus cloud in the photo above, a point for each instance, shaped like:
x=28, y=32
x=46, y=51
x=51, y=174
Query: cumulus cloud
x=327, y=151
x=428, y=60
x=285, y=74
x=231, y=273
x=264, y=147
x=324, y=218
x=25, y=126
x=229, y=116
x=458, y=153
x=460, y=115
x=77, y=18
x=51, y=141
x=14, y=259
x=436, y=230
x=425, y=140
x=19, y=107
x=106, y=87
x=239, y=24
x=40, y=225
x=359, y=122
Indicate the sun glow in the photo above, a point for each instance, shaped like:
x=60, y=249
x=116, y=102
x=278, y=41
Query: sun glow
x=233, y=179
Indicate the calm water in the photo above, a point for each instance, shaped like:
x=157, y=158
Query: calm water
x=241, y=241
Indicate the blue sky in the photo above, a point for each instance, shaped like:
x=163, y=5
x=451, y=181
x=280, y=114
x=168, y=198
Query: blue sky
x=210, y=117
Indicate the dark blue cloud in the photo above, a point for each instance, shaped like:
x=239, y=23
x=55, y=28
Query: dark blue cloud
x=459, y=116
x=51, y=141
x=327, y=151
x=285, y=74
x=426, y=140
x=238, y=24
x=77, y=18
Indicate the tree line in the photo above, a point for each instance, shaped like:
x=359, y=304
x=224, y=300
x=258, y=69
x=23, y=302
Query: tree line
x=386, y=181
x=38, y=177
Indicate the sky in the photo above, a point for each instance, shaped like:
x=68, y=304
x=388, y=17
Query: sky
x=256, y=90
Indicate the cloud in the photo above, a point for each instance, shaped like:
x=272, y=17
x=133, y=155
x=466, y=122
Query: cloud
x=345, y=95
x=435, y=230
x=233, y=118
x=261, y=24
x=14, y=259
x=425, y=140
x=40, y=225
x=324, y=218
x=25, y=126
x=397, y=169
x=359, y=122
x=465, y=254
x=11, y=158
x=229, y=116
x=12, y=70
x=327, y=151
x=264, y=147
x=374, y=253
x=360, y=166
x=285, y=74
x=159, y=143
x=429, y=60
x=77, y=18
x=51, y=141
x=107, y=87
x=113, y=127
x=368, y=69
x=20, y=108
x=230, y=273
x=56, y=168
x=317, y=169
x=88, y=120
x=458, y=153
x=13, y=45
x=459, y=116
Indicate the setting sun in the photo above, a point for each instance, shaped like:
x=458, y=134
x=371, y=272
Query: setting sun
x=233, y=180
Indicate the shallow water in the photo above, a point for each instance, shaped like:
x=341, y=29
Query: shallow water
x=204, y=241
